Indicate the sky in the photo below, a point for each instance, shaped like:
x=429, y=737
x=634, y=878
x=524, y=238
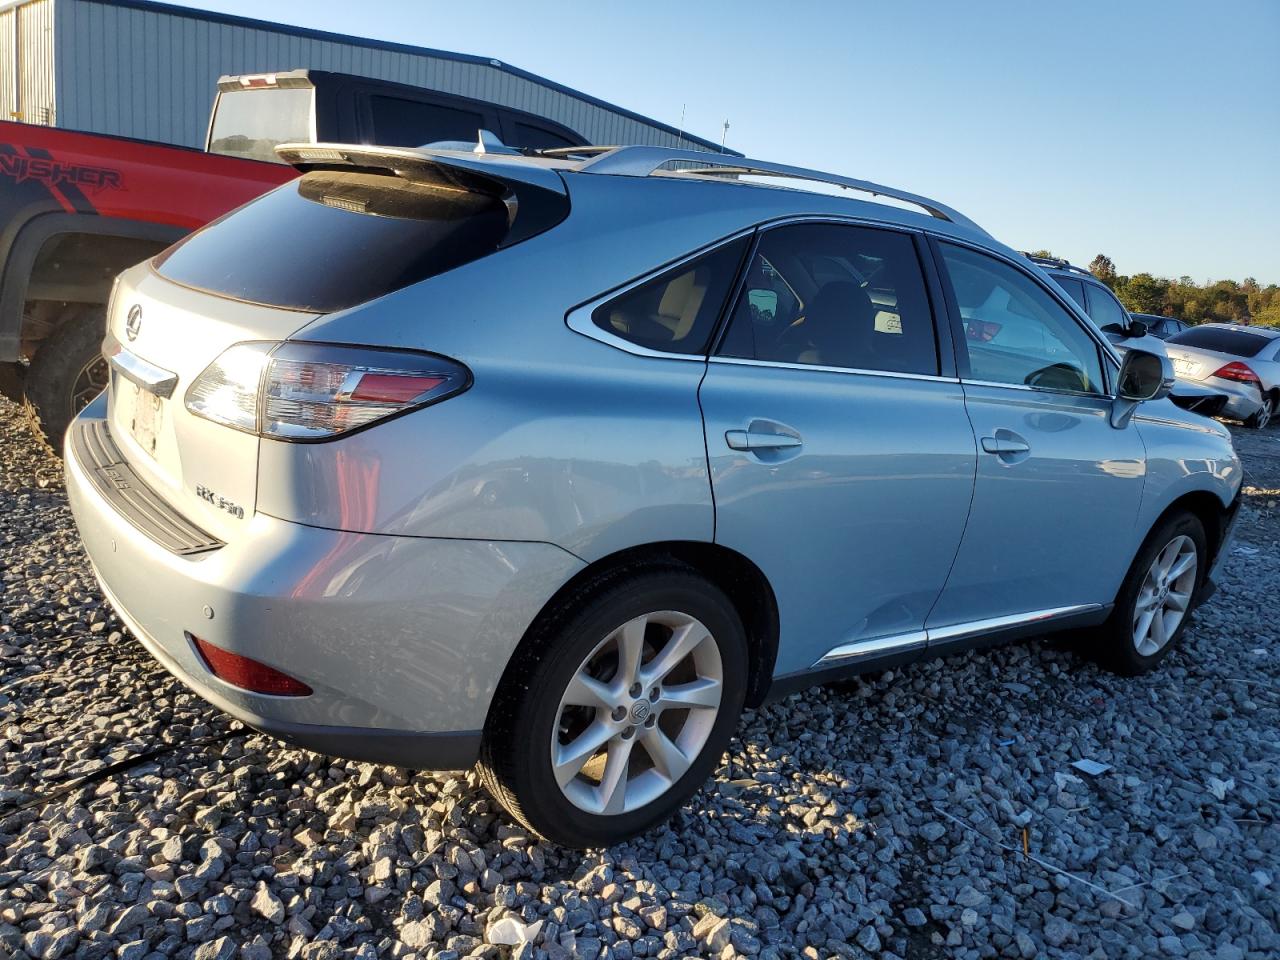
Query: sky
x=1148, y=130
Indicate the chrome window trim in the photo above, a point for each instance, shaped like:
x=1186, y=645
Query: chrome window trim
x=916, y=639
x=1046, y=390
x=783, y=365
x=578, y=319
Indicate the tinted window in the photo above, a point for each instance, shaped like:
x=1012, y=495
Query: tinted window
x=1074, y=288
x=538, y=138
x=1222, y=340
x=411, y=123
x=677, y=311
x=1015, y=332
x=330, y=240
x=835, y=296
x=249, y=123
x=1105, y=310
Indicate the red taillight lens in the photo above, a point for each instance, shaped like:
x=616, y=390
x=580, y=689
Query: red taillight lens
x=247, y=673
x=393, y=388
x=1239, y=372
x=984, y=331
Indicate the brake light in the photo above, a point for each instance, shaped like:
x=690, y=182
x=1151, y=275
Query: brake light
x=1239, y=372
x=315, y=391
x=247, y=673
x=266, y=80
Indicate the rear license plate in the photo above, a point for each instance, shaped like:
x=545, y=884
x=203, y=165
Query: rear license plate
x=144, y=413
x=1184, y=366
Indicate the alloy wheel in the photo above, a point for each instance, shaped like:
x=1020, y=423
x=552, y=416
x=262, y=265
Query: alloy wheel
x=1165, y=595
x=1264, y=415
x=89, y=382
x=637, y=713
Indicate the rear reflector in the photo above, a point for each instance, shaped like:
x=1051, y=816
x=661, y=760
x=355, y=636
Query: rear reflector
x=247, y=673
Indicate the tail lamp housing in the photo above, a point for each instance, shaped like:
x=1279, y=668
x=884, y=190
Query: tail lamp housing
x=247, y=673
x=302, y=391
x=1239, y=372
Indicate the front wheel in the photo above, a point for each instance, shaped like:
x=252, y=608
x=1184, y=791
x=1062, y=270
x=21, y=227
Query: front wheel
x=1157, y=597
x=618, y=708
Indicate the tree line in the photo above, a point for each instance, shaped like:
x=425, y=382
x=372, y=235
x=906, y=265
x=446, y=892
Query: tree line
x=1221, y=301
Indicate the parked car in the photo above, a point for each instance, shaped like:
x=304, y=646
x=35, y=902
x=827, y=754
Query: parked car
x=559, y=467
x=1122, y=328
x=1240, y=361
x=77, y=208
x=1162, y=327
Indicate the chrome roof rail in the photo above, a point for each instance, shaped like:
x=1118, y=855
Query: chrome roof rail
x=643, y=161
x=1056, y=263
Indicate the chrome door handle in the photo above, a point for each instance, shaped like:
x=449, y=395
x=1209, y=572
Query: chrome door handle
x=1000, y=445
x=751, y=440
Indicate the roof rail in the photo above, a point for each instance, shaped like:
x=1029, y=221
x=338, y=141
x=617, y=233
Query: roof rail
x=1056, y=262
x=642, y=161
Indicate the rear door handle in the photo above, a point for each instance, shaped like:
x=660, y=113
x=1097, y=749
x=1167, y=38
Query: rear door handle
x=1000, y=445
x=776, y=437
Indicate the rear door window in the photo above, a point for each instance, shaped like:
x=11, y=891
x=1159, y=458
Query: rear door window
x=833, y=295
x=400, y=122
x=1073, y=287
x=677, y=311
x=1105, y=310
x=333, y=239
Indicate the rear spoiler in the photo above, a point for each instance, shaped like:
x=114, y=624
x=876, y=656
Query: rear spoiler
x=494, y=175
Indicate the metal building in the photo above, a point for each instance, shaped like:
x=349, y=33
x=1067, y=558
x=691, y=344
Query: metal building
x=149, y=70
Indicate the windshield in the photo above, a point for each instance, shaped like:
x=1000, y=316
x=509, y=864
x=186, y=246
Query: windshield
x=250, y=123
x=1222, y=340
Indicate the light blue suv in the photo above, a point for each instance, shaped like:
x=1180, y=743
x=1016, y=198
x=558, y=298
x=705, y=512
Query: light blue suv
x=556, y=462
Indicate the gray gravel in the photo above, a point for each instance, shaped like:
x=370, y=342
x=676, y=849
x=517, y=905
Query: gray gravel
x=884, y=817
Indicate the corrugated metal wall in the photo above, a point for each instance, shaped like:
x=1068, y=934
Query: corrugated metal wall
x=26, y=62
x=151, y=73
x=8, y=57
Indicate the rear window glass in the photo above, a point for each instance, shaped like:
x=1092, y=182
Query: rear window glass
x=330, y=240
x=249, y=123
x=540, y=138
x=1222, y=340
x=676, y=312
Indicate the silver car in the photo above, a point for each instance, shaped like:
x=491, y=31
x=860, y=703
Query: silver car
x=557, y=462
x=1240, y=361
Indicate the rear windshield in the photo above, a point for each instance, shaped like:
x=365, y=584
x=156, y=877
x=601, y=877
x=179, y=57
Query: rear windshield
x=330, y=240
x=249, y=123
x=1221, y=340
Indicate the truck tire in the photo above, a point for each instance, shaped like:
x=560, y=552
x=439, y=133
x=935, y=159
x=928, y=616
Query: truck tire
x=67, y=371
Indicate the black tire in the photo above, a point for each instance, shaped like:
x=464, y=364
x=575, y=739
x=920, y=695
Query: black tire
x=67, y=371
x=515, y=761
x=1113, y=642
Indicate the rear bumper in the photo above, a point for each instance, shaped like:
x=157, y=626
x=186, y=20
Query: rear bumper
x=402, y=639
x=1243, y=399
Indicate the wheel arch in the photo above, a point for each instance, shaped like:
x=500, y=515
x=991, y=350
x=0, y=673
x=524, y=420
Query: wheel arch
x=738, y=577
x=1205, y=507
x=32, y=239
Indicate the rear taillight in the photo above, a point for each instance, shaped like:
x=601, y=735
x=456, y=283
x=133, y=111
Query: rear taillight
x=1239, y=372
x=315, y=391
x=247, y=673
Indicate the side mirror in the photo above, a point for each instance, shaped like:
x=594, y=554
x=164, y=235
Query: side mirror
x=1137, y=328
x=1143, y=376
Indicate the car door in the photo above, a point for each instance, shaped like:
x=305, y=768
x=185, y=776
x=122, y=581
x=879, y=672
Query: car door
x=1058, y=487
x=842, y=461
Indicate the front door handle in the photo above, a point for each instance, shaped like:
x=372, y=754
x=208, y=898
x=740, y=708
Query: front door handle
x=999, y=445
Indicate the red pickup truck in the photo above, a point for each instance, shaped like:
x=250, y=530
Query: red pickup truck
x=77, y=208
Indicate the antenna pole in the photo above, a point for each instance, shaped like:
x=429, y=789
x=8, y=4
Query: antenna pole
x=683, y=108
x=724, y=134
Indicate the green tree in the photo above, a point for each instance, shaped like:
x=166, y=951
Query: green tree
x=1102, y=268
x=1144, y=293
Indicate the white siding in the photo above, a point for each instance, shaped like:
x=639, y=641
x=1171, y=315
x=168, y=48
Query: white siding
x=151, y=72
x=8, y=59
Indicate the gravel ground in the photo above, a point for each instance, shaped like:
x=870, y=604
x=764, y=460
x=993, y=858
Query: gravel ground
x=886, y=817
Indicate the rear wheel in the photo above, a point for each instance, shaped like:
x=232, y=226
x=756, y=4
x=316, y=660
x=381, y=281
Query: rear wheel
x=618, y=709
x=1155, y=603
x=67, y=372
x=1265, y=413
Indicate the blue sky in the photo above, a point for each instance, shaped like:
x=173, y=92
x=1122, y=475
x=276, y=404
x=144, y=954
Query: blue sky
x=1149, y=131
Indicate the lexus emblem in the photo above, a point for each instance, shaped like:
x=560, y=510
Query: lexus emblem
x=133, y=325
